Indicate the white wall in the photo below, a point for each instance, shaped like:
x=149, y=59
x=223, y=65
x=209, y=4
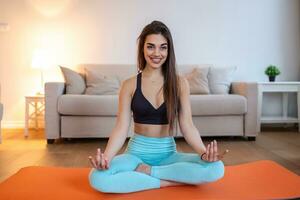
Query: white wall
x=248, y=34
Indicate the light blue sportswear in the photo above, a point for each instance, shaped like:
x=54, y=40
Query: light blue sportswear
x=166, y=162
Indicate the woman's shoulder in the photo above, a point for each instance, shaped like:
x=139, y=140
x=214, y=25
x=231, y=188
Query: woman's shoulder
x=131, y=80
x=130, y=83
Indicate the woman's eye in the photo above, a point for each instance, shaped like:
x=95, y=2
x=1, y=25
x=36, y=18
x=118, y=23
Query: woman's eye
x=149, y=47
x=164, y=48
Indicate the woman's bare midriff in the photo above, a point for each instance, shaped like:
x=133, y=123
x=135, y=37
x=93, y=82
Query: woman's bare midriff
x=151, y=130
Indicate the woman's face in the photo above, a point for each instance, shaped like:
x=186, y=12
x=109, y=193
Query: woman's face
x=155, y=50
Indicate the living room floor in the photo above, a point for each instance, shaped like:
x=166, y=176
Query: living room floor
x=281, y=145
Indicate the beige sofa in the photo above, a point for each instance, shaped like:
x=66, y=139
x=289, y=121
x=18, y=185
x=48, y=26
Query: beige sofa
x=85, y=116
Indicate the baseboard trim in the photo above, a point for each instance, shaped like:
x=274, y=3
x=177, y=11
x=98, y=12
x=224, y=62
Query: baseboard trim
x=18, y=124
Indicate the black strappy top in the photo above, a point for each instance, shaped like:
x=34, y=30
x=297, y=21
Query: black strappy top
x=143, y=110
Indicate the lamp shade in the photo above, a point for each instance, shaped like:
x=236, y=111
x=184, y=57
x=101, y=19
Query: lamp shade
x=40, y=59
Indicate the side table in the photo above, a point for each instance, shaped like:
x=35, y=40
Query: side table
x=34, y=108
x=284, y=88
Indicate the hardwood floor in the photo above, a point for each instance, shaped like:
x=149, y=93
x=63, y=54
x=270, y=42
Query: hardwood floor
x=280, y=145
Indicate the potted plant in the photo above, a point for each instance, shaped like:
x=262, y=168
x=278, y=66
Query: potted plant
x=272, y=71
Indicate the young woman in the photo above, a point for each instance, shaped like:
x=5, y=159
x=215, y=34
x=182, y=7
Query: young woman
x=157, y=97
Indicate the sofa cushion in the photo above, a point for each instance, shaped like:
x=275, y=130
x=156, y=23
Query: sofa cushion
x=92, y=105
x=107, y=105
x=98, y=84
x=220, y=79
x=204, y=105
x=198, y=81
x=122, y=71
x=75, y=83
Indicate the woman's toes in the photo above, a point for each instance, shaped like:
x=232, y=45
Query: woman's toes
x=143, y=168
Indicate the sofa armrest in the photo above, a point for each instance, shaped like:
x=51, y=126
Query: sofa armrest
x=250, y=91
x=52, y=118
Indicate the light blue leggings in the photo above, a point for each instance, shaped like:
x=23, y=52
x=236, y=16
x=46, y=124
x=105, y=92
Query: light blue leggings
x=166, y=162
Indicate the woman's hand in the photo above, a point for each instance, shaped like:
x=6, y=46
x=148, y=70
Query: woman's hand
x=100, y=161
x=211, y=154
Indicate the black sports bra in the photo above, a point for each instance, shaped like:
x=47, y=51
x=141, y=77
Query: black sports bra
x=143, y=110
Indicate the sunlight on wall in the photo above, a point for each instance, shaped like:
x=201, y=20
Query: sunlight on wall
x=58, y=41
x=50, y=8
x=59, y=45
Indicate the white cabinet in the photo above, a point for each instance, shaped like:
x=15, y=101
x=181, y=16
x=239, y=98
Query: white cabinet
x=279, y=87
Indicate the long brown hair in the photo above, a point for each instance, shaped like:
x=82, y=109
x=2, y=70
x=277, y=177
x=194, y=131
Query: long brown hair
x=171, y=84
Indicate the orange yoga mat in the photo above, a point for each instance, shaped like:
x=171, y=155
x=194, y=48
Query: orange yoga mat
x=257, y=180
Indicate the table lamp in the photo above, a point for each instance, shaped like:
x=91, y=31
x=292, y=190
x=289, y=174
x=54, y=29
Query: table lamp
x=40, y=60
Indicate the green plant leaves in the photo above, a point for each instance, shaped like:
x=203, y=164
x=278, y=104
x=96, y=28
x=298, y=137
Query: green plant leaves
x=272, y=70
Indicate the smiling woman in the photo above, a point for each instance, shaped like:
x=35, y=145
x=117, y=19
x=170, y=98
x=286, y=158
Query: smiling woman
x=156, y=58
x=157, y=98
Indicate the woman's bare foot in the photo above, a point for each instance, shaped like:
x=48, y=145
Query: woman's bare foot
x=144, y=168
x=164, y=183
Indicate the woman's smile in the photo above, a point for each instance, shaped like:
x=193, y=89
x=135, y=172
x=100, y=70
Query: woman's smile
x=155, y=50
x=155, y=60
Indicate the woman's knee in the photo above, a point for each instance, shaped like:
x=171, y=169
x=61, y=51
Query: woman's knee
x=99, y=180
x=216, y=171
x=213, y=172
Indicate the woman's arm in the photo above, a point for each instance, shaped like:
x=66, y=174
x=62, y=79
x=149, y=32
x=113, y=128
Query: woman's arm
x=188, y=130
x=120, y=131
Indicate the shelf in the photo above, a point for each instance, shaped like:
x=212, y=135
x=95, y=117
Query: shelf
x=279, y=119
x=278, y=87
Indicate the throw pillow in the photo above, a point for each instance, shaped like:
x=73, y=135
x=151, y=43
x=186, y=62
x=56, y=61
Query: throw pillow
x=74, y=81
x=198, y=81
x=98, y=84
x=220, y=79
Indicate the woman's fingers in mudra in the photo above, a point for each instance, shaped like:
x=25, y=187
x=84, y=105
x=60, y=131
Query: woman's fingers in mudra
x=213, y=151
x=100, y=161
x=211, y=154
